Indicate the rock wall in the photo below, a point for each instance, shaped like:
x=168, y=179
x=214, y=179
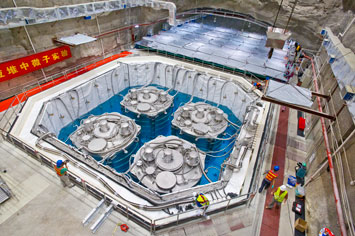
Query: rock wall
x=14, y=42
x=309, y=16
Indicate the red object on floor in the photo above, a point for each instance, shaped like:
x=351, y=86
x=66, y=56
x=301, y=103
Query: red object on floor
x=301, y=123
x=4, y=105
x=124, y=227
x=271, y=218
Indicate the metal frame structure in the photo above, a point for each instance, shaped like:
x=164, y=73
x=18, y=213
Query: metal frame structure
x=9, y=118
x=156, y=225
x=300, y=108
x=338, y=206
x=76, y=156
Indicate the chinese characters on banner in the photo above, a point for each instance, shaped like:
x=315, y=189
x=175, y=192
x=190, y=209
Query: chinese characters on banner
x=24, y=65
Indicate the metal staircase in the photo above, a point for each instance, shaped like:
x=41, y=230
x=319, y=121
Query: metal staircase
x=101, y=219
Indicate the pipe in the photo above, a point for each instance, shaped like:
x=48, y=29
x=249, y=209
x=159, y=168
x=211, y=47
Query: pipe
x=99, y=29
x=171, y=7
x=346, y=29
x=325, y=163
x=293, y=8
x=329, y=156
x=22, y=16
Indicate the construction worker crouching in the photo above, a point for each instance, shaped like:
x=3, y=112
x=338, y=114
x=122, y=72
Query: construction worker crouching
x=269, y=178
x=201, y=201
x=280, y=195
x=61, y=169
x=258, y=86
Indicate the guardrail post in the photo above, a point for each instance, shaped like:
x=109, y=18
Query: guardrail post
x=41, y=159
x=177, y=218
x=84, y=186
x=127, y=212
x=251, y=197
x=36, y=154
x=151, y=227
x=227, y=205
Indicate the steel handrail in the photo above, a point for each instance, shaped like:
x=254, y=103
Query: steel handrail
x=31, y=151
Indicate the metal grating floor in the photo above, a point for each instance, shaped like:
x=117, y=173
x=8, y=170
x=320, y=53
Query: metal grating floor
x=3, y=195
x=243, y=49
x=4, y=191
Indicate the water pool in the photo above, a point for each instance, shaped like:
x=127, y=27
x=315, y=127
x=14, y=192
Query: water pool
x=217, y=150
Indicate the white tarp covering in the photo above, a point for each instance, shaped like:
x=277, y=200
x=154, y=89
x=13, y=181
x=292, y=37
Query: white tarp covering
x=77, y=39
x=289, y=93
x=67, y=107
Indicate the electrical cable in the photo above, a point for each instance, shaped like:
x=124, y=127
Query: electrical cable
x=227, y=153
x=293, y=8
x=277, y=14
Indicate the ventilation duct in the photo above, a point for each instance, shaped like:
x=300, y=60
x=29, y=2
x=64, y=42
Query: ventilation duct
x=20, y=16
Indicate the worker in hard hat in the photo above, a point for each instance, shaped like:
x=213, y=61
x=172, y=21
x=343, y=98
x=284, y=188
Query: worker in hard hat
x=269, y=178
x=297, y=48
x=325, y=232
x=61, y=168
x=301, y=171
x=201, y=201
x=258, y=86
x=280, y=195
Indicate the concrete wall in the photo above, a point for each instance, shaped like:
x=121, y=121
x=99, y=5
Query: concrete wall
x=320, y=198
x=309, y=16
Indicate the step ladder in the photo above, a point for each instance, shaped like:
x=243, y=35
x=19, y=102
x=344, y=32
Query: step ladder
x=101, y=219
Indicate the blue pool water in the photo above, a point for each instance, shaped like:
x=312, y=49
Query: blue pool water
x=161, y=125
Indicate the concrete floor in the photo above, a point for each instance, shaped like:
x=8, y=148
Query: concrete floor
x=41, y=206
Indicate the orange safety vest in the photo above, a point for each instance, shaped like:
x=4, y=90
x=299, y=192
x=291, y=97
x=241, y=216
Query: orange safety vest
x=279, y=197
x=59, y=169
x=270, y=175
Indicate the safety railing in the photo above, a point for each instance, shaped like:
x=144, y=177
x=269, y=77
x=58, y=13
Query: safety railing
x=152, y=225
x=250, y=76
x=129, y=211
x=8, y=116
x=51, y=77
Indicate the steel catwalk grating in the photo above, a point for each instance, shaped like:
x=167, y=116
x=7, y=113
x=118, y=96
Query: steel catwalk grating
x=3, y=195
x=207, y=40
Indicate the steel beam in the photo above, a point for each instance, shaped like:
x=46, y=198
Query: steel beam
x=321, y=95
x=304, y=109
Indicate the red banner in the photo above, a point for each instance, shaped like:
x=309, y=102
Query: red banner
x=25, y=65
